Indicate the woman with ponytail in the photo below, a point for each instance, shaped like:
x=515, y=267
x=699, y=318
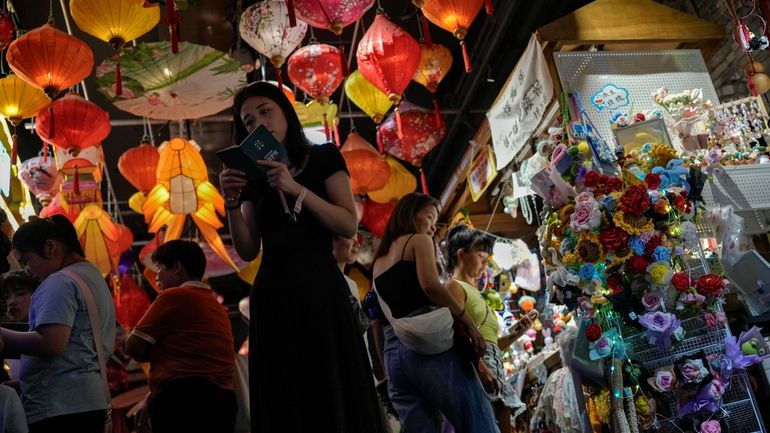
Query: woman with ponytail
x=61, y=380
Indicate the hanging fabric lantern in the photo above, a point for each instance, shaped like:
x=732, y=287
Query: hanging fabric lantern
x=265, y=26
x=131, y=302
x=115, y=22
x=95, y=230
x=331, y=15
x=72, y=123
x=400, y=183
x=454, y=16
x=317, y=70
x=19, y=100
x=50, y=59
x=388, y=57
x=435, y=63
x=367, y=97
x=368, y=169
x=7, y=30
x=139, y=165
x=40, y=175
x=80, y=188
x=376, y=216
x=55, y=208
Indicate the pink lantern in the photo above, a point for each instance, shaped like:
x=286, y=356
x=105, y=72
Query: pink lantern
x=331, y=15
x=41, y=176
x=317, y=70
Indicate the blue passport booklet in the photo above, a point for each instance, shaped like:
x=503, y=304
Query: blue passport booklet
x=259, y=145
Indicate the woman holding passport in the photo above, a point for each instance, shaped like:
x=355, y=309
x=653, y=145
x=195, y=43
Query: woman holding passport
x=309, y=374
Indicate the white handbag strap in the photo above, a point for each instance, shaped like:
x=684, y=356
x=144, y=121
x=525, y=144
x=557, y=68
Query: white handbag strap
x=96, y=322
x=383, y=306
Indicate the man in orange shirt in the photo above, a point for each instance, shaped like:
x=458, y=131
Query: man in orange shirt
x=187, y=338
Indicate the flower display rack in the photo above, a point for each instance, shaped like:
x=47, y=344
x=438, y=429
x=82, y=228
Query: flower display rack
x=747, y=189
x=697, y=337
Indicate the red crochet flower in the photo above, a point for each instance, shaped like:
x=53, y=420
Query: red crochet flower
x=681, y=282
x=591, y=179
x=613, y=238
x=680, y=202
x=652, y=180
x=615, y=283
x=653, y=243
x=637, y=264
x=710, y=285
x=635, y=200
x=593, y=332
x=614, y=184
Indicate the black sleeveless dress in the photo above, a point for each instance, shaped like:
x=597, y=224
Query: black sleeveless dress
x=308, y=367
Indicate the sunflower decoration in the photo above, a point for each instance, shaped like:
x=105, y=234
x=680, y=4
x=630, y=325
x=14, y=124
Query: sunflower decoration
x=658, y=155
x=588, y=248
x=633, y=224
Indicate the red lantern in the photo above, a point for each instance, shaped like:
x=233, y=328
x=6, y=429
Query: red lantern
x=55, y=208
x=138, y=165
x=317, y=70
x=50, y=59
x=131, y=302
x=369, y=171
x=376, y=216
x=72, y=123
x=331, y=14
x=454, y=16
x=7, y=30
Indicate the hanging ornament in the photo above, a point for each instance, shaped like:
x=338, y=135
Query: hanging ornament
x=139, y=165
x=40, y=175
x=400, y=183
x=72, y=123
x=20, y=100
x=435, y=63
x=266, y=27
x=331, y=15
x=454, y=16
x=376, y=216
x=368, y=169
x=7, y=30
x=367, y=97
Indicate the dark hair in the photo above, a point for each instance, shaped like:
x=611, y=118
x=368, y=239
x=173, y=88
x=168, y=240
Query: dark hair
x=17, y=280
x=297, y=145
x=466, y=239
x=188, y=253
x=31, y=236
x=401, y=221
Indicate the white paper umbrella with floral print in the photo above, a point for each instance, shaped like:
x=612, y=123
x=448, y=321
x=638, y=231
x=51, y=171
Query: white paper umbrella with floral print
x=198, y=81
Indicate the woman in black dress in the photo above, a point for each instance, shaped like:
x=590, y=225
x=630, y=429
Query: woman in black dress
x=308, y=368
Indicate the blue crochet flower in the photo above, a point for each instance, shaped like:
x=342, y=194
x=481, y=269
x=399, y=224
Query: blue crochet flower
x=566, y=245
x=609, y=203
x=636, y=245
x=661, y=254
x=587, y=272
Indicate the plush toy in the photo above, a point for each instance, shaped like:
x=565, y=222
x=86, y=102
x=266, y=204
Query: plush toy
x=749, y=349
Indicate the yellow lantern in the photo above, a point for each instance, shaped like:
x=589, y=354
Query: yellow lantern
x=19, y=100
x=98, y=233
x=114, y=21
x=435, y=63
x=372, y=100
x=400, y=183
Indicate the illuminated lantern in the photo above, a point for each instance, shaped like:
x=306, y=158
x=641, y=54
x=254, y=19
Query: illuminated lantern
x=41, y=177
x=331, y=15
x=527, y=303
x=115, y=22
x=7, y=30
x=19, y=100
x=376, y=216
x=80, y=187
x=50, y=59
x=435, y=63
x=422, y=131
x=368, y=169
x=139, y=166
x=55, y=208
x=388, y=57
x=96, y=231
x=454, y=16
x=183, y=188
x=400, y=183
x=72, y=123
x=317, y=70
x=265, y=26
x=131, y=302
x=367, y=97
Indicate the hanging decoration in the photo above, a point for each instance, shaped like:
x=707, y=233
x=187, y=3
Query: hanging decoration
x=131, y=302
x=368, y=169
x=101, y=238
x=40, y=175
x=198, y=81
x=72, y=123
x=422, y=131
x=435, y=63
x=367, y=97
x=311, y=117
x=400, y=183
x=7, y=30
x=139, y=165
x=81, y=184
x=317, y=70
x=183, y=189
x=55, y=208
x=388, y=57
x=19, y=100
x=332, y=15
x=456, y=17
x=266, y=27
x=376, y=216
x=50, y=59
x=115, y=22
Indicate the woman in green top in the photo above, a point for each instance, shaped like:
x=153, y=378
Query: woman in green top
x=468, y=253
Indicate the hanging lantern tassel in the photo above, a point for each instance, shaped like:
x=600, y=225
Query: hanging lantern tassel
x=437, y=112
x=337, y=135
x=398, y=124
x=424, y=182
x=426, y=31
x=326, y=127
x=51, y=130
x=172, y=18
x=279, y=77
x=14, y=147
x=45, y=152
x=118, y=77
x=292, y=15
x=466, y=57
x=343, y=62
x=489, y=6
x=76, y=182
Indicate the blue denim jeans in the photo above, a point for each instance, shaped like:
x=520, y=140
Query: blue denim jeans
x=422, y=388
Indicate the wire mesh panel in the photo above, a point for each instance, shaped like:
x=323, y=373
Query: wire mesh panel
x=638, y=72
x=747, y=189
x=697, y=337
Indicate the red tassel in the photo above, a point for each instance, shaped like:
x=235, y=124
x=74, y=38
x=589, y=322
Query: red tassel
x=437, y=113
x=426, y=31
x=326, y=127
x=279, y=78
x=45, y=152
x=292, y=16
x=343, y=62
x=118, y=78
x=424, y=182
x=489, y=6
x=380, y=146
x=14, y=148
x=466, y=58
x=337, y=140
x=76, y=182
x=398, y=124
x=172, y=18
x=51, y=129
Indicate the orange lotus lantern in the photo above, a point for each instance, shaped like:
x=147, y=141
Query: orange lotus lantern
x=50, y=59
x=454, y=16
x=96, y=232
x=368, y=169
x=400, y=183
x=139, y=166
x=376, y=216
x=19, y=100
x=72, y=123
x=388, y=57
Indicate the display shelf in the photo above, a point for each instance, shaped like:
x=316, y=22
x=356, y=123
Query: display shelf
x=747, y=189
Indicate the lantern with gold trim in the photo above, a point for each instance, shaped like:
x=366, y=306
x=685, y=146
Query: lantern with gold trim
x=456, y=17
x=368, y=169
x=19, y=100
x=367, y=97
x=101, y=238
x=72, y=123
x=400, y=183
